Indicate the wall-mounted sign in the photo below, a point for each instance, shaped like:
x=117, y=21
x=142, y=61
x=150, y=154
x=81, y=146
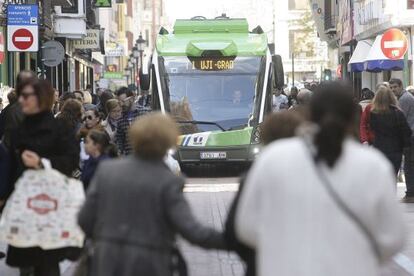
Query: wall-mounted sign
x=117, y=51
x=102, y=3
x=113, y=75
x=23, y=28
x=53, y=53
x=90, y=42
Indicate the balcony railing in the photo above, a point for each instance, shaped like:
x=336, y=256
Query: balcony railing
x=330, y=23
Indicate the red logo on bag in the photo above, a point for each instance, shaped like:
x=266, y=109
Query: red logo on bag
x=42, y=204
x=65, y=234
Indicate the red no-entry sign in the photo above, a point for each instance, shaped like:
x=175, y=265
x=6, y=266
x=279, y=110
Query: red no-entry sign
x=22, y=39
x=394, y=44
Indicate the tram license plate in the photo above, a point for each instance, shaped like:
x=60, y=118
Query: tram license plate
x=213, y=155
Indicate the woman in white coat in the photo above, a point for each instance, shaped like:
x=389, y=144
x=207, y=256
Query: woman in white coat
x=337, y=214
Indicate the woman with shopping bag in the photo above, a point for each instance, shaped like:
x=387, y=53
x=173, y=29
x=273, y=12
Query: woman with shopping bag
x=40, y=139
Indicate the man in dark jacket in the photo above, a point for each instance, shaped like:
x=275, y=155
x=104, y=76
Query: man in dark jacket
x=406, y=103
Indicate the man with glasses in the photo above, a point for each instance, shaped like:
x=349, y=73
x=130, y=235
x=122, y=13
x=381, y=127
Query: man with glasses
x=406, y=103
x=130, y=112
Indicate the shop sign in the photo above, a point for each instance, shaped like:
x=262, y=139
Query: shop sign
x=117, y=51
x=102, y=3
x=113, y=75
x=90, y=42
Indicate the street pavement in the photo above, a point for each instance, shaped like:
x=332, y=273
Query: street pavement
x=210, y=199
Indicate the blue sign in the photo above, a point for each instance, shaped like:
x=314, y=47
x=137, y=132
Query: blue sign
x=22, y=15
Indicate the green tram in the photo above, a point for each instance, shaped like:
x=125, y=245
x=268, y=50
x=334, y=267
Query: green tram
x=215, y=78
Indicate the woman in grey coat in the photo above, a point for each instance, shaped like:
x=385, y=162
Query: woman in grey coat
x=135, y=207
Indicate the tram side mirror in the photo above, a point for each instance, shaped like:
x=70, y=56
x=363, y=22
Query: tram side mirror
x=278, y=73
x=144, y=79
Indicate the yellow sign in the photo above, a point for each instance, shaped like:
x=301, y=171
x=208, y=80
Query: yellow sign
x=213, y=64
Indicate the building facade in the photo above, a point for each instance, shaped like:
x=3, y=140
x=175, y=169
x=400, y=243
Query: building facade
x=304, y=55
x=356, y=33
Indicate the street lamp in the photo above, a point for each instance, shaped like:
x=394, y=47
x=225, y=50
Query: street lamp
x=139, y=45
x=127, y=73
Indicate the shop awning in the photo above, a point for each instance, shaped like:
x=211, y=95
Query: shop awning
x=376, y=61
x=357, y=61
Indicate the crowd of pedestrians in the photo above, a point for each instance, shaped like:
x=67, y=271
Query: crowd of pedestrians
x=338, y=215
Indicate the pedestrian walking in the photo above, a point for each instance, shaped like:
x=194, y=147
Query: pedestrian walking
x=99, y=147
x=389, y=126
x=406, y=103
x=293, y=101
x=12, y=98
x=135, y=207
x=92, y=119
x=71, y=114
x=129, y=113
x=56, y=107
x=276, y=126
x=279, y=101
x=366, y=98
x=14, y=115
x=342, y=201
x=39, y=136
x=104, y=97
x=110, y=124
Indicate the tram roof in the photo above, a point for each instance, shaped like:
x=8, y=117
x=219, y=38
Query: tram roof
x=228, y=37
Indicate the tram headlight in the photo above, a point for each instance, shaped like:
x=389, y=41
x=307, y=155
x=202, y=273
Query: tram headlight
x=256, y=150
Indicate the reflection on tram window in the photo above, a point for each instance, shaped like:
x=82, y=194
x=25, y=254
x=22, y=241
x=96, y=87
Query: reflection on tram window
x=225, y=97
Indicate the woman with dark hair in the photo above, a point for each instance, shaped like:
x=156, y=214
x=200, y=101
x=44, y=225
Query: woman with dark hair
x=135, y=207
x=71, y=114
x=92, y=119
x=99, y=147
x=40, y=136
x=341, y=198
x=390, y=128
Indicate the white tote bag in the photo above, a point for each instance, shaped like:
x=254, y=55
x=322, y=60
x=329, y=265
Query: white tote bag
x=42, y=211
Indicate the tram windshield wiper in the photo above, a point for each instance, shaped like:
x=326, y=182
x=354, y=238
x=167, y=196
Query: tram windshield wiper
x=202, y=123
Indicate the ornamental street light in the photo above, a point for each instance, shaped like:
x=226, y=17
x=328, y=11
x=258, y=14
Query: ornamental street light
x=139, y=45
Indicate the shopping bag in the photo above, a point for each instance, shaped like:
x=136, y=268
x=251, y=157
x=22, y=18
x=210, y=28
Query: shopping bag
x=42, y=211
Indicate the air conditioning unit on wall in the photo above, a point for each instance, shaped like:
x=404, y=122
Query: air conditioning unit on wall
x=70, y=22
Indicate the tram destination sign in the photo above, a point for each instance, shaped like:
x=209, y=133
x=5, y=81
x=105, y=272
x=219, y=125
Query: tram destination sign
x=212, y=63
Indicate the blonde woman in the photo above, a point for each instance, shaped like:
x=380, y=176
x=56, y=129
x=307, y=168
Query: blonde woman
x=389, y=126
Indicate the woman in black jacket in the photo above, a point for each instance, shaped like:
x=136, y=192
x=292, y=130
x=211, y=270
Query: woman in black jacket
x=390, y=127
x=40, y=136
